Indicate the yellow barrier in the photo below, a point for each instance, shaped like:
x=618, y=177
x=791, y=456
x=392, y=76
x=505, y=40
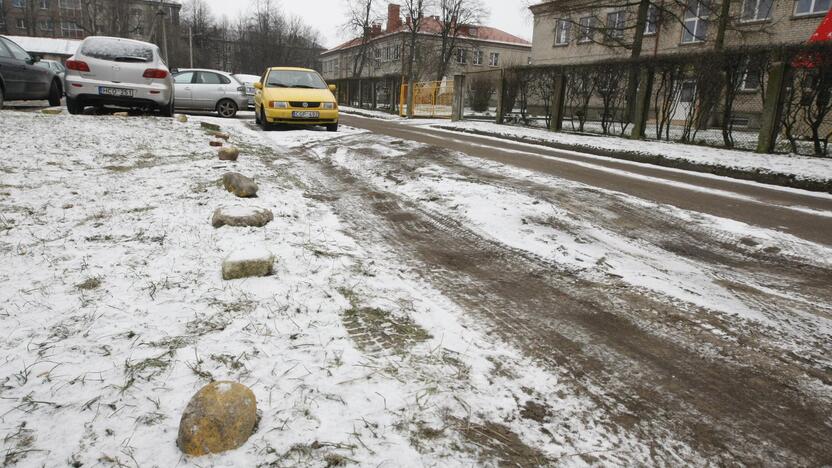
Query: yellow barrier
x=430, y=99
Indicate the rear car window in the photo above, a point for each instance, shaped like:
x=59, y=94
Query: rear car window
x=116, y=50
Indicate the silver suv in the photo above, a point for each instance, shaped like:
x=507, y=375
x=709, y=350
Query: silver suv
x=209, y=90
x=118, y=72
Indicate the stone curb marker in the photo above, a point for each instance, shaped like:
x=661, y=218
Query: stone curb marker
x=250, y=262
x=229, y=153
x=241, y=216
x=239, y=185
x=220, y=417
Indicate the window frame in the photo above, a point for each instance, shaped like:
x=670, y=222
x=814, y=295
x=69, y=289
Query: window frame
x=651, y=26
x=586, y=32
x=563, y=32
x=494, y=59
x=812, y=9
x=757, y=18
x=461, y=56
x=699, y=21
x=616, y=31
x=479, y=55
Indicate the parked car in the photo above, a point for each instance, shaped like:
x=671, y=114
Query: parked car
x=57, y=67
x=110, y=71
x=22, y=80
x=209, y=90
x=249, y=81
x=296, y=96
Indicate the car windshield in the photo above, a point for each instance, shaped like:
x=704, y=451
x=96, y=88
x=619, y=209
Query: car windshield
x=117, y=50
x=295, y=79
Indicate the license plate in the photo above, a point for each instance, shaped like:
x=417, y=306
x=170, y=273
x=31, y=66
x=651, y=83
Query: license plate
x=305, y=115
x=117, y=92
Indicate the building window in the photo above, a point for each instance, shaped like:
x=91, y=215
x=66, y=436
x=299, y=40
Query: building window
x=46, y=25
x=21, y=24
x=688, y=91
x=756, y=10
x=44, y=4
x=70, y=4
x=397, y=52
x=70, y=29
x=695, y=25
x=586, y=30
x=751, y=79
x=473, y=32
x=478, y=55
x=461, y=56
x=652, y=25
x=494, y=59
x=615, y=25
x=18, y=3
x=811, y=7
x=563, y=32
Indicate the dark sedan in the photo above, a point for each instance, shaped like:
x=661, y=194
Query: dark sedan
x=21, y=79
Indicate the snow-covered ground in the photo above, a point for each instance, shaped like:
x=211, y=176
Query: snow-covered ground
x=802, y=167
x=114, y=314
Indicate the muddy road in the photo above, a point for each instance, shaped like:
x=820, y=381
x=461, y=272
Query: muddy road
x=694, y=383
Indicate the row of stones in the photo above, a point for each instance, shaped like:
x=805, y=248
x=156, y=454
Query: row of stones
x=223, y=415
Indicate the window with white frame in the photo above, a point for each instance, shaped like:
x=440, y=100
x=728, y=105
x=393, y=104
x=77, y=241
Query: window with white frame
x=18, y=3
x=615, y=24
x=811, y=7
x=70, y=4
x=71, y=29
x=46, y=25
x=695, y=24
x=461, y=56
x=478, y=57
x=397, y=50
x=21, y=23
x=44, y=4
x=756, y=10
x=651, y=26
x=563, y=32
x=586, y=29
x=494, y=59
x=752, y=78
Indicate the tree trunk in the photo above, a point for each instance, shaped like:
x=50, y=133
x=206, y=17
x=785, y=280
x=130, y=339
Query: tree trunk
x=635, y=53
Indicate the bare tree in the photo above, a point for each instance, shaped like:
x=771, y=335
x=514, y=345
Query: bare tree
x=415, y=10
x=362, y=16
x=455, y=17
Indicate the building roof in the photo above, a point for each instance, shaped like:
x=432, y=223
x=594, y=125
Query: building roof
x=432, y=25
x=47, y=45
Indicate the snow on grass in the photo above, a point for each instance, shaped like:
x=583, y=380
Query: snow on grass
x=114, y=314
x=369, y=113
x=802, y=167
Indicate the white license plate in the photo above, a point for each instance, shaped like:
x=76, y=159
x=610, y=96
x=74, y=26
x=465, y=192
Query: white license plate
x=305, y=115
x=117, y=92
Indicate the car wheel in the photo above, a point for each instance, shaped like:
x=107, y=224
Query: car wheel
x=227, y=108
x=55, y=94
x=263, y=121
x=2, y=97
x=256, y=117
x=332, y=127
x=168, y=110
x=74, y=106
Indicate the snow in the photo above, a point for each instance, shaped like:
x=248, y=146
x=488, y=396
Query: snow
x=250, y=254
x=46, y=45
x=369, y=113
x=802, y=167
x=114, y=314
x=239, y=211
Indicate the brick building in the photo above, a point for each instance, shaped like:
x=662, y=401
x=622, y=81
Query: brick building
x=575, y=31
x=478, y=48
x=77, y=19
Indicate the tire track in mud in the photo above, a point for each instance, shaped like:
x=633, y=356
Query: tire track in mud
x=745, y=410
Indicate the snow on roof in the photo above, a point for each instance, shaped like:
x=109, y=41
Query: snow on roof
x=46, y=45
x=432, y=25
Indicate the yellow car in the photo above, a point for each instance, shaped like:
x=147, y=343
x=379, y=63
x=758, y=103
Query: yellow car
x=297, y=96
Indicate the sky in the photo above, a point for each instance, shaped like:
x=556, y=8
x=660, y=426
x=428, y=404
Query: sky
x=327, y=16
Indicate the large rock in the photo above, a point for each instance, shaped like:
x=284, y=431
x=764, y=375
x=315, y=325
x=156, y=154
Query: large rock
x=219, y=135
x=182, y=118
x=247, y=263
x=239, y=185
x=229, y=153
x=220, y=417
x=209, y=126
x=241, y=216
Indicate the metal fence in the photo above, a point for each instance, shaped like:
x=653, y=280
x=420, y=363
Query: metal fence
x=764, y=99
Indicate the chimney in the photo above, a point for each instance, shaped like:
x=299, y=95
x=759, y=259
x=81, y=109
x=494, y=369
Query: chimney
x=375, y=30
x=394, y=17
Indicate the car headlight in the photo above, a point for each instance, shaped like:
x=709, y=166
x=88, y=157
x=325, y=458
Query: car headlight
x=329, y=105
x=280, y=105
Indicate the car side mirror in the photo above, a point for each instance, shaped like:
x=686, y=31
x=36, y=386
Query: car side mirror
x=332, y=88
x=258, y=85
x=33, y=59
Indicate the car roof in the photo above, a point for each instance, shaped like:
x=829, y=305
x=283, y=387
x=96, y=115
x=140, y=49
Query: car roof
x=291, y=69
x=181, y=70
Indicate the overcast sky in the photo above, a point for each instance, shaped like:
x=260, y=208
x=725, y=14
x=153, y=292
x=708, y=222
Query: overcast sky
x=328, y=15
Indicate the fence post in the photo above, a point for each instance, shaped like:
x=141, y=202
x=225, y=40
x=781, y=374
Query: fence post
x=558, y=97
x=642, y=104
x=772, y=107
x=501, y=91
x=458, y=108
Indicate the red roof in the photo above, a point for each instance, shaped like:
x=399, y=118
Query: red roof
x=824, y=32
x=432, y=25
